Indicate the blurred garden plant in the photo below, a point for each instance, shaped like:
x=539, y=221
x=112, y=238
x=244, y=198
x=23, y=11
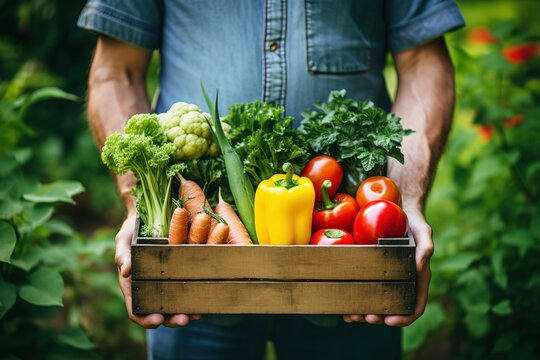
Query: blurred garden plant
x=486, y=283
x=45, y=265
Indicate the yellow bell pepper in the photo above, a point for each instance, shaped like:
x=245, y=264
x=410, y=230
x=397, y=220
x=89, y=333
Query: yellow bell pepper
x=283, y=209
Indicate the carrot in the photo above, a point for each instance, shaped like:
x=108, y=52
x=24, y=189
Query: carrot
x=219, y=234
x=237, y=231
x=193, y=196
x=178, y=228
x=200, y=228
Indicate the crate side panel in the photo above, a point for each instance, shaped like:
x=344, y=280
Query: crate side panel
x=193, y=262
x=267, y=297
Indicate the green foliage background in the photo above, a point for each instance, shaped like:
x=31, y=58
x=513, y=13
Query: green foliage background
x=485, y=296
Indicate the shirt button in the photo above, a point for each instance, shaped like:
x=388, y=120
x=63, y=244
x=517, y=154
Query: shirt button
x=273, y=46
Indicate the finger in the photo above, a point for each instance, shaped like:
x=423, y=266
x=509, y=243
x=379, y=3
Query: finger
x=422, y=290
x=123, y=246
x=374, y=319
x=423, y=236
x=347, y=318
x=195, y=317
x=176, y=320
x=150, y=321
x=358, y=318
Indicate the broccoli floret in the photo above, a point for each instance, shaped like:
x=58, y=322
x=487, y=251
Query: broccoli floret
x=143, y=149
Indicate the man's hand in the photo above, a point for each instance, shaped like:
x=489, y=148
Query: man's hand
x=123, y=262
x=421, y=232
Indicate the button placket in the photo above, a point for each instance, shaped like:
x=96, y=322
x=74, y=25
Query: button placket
x=275, y=71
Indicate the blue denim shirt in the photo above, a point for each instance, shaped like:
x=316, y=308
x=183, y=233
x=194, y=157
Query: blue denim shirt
x=292, y=53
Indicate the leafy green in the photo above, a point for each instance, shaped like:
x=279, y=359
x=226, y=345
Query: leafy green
x=357, y=133
x=241, y=188
x=143, y=149
x=265, y=139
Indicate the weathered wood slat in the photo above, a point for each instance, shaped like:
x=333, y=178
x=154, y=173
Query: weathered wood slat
x=267, y=297
x=193, y=262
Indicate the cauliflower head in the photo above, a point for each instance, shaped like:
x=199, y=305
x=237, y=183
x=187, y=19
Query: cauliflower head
x=188, y=128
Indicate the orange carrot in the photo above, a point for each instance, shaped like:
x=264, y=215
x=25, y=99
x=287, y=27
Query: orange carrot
x=178, y=229
x=237, y=231
x=219, y=234
x=193, y=196
x=200, y=228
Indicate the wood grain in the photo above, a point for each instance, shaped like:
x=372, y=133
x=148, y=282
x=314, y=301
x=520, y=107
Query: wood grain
x=193, y=262
x=272, y=297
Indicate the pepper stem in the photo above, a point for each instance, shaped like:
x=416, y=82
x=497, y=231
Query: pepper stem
x=287, y=182
x=327, y=203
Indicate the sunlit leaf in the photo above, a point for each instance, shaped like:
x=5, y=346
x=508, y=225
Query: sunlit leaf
x=29, y=259
x=45, y=288
x=459, y=262
x=8, y=238
x=502, y=308
x=58, y=191
x=76, y=338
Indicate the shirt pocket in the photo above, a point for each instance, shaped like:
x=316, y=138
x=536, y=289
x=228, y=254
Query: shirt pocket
x=338, y=35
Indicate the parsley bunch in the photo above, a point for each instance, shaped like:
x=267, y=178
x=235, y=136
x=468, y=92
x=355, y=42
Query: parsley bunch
x=357, y=133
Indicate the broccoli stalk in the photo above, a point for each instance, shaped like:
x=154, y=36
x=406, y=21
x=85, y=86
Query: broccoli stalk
x=143, y=149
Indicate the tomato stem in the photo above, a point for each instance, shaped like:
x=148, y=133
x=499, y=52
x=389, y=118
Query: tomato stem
x=327, y=203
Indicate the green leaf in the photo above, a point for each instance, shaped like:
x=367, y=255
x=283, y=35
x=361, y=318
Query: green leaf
x=8, y=164
x=502, y=308
x=459, y=261
x=474, y=295
x=38, y=215
x=486, y=169
x=28, y=260
x=42, y=94
x=519, y=238
x=8, y=239
x=76, y=338
x=415, y=334
x=59, y=227
x=6, y=185
x=10, y=208
x=506, y=341
x=58, y=191
x=45, y=288
x=477, y=324
x=8, y=296
x=501, y=278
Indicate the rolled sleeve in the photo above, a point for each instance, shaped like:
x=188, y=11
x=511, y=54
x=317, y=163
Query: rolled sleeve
x=137, y=22
x=412, y=23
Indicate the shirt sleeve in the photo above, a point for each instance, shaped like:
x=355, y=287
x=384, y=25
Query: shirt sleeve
x=414, y=22
x=137, y=22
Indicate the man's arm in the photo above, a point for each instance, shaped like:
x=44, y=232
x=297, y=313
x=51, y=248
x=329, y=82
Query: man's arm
x=425, y=102
x=117, y=90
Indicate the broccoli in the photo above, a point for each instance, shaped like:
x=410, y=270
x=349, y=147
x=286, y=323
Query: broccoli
x=143, y=148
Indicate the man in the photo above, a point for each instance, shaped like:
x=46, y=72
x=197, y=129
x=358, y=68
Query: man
x=290, y=53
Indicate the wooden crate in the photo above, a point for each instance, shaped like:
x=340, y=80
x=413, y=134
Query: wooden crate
x=264, y=279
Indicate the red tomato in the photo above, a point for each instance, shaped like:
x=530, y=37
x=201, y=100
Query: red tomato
x=340, y=216
x=377, y=188
x=321, y=168
x=379, y=219
x=331, y=237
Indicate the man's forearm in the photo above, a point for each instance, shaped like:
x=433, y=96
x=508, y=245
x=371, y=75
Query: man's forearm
x=116, y=90
x=424, y=101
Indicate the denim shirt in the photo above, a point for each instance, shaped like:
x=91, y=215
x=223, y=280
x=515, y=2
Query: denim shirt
x=291, y=53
